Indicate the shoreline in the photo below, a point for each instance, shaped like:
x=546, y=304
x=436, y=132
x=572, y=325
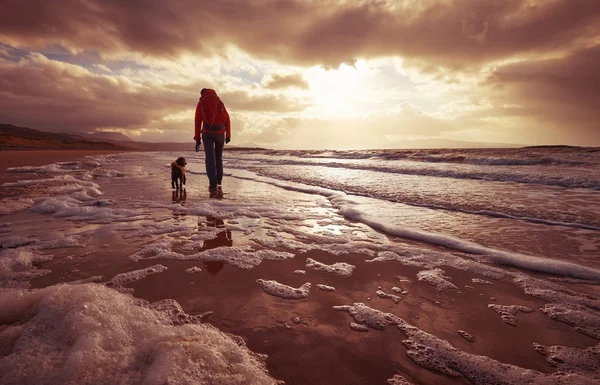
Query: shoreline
x=41, y=157
x=21, y=158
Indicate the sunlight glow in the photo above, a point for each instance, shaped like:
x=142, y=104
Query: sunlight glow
x=337, y=92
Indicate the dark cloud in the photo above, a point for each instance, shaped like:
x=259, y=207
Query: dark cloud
x=286, y=81
x=451, y=32
x=563, y=91
x=435, y=36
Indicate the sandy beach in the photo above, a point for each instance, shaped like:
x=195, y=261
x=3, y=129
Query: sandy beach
x=129, y=235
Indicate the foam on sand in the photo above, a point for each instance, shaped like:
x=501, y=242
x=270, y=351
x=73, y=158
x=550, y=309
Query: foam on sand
x=584, y=361
x=72, y=208
x=583, y=319
x=508, y=312
x=528, y=262
x=468, y=337
x=136, y=275
x=277, y=289
x=17, y=266
x=325, y=287
x=429, y=259
x=243, y=257
x=340, y=268
x=359, y=327
x=393, y=297
x=398, y=380
x=366, y=315
x=90, y=334
x=579, y=366
x=436, y=279
x=551, y=292
x=13, y=205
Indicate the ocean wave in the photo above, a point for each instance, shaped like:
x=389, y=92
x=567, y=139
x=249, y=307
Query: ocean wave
x=348, y=209
x=550, y=177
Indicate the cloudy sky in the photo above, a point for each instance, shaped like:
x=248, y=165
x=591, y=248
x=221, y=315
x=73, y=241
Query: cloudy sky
x=307, y=73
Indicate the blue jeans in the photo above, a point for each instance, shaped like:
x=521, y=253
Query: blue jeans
x=213, y=154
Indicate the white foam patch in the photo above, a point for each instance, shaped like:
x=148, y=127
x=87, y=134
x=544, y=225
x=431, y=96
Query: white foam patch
x=430, y=259
x=13, y=205
x=437, y=279
x=17, y=266
x=240, y=257
x=468, y=337
x=582, y=361
x=359, y=327
x=205, y=234
x=158, y=250
x=433, y=353
x=340, y=268
x=393, y=297
x=366, y=315
x=551, y=292
x=300, y=272
x=583, y=319
x=134, y=276
x=508, y=312
x=148, y=229
x=71, y=208
x=243, y=257
x=175, y=312
x=325, y=287
x=480, y=281
x=92, y=279
x=193, y=269
x=398, y=380
x=344, y=247
x=277, y=289
x=70, y=241
x=89, y=334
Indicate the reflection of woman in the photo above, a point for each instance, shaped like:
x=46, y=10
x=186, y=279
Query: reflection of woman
x=223, y=238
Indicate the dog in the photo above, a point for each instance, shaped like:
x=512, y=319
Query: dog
x=178, y=173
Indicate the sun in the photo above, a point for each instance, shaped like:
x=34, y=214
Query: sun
x=336, y=92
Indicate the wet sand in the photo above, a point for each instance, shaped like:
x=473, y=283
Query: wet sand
x=306, y=341
x=322, y=349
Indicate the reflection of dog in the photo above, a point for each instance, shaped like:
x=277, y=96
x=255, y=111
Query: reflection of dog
x=178, y=173
x=179, y=196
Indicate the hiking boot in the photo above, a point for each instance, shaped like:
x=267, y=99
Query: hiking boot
x=219, y=191
x=213, y=192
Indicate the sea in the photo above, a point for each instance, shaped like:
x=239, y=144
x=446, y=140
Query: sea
x=440, y=266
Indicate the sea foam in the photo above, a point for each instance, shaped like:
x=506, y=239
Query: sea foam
x=578, y=366
x=89, y=334
x=339, y=268
x=277, y=289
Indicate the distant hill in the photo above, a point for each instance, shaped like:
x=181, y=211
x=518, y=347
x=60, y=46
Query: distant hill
x=23, y=138
x=19, y=138
x=108, y=135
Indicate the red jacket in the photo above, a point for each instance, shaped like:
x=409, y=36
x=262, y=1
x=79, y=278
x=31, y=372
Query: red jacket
x=200, y=118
